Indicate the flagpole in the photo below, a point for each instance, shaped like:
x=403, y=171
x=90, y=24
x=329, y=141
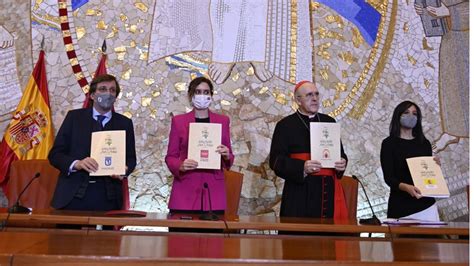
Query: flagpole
x=42, y=43
x=104, y=47
x=101, y=69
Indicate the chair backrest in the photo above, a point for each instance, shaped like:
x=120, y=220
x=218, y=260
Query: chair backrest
x=467, y=192
x=351, y=191
x=233, y=184
x=40, y=192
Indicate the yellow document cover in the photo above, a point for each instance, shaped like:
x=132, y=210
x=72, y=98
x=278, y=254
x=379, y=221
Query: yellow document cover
x=427, y=177
x=108, y=149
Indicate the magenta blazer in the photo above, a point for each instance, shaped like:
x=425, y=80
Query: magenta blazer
x=188, y=186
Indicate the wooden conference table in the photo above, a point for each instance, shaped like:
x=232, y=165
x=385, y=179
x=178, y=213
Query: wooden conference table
x=40, y=218
x=102, y=248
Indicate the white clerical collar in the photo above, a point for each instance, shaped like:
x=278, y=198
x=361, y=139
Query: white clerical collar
x=310, y=116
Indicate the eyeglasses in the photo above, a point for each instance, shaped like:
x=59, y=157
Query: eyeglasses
x=310, y=95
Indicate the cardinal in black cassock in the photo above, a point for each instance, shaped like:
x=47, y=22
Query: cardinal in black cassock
x=309, y=190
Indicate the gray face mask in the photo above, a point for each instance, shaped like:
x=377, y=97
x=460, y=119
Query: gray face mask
x=105, y=101
x=408, y=120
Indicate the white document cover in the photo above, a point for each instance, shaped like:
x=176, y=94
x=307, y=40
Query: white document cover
x=203, y=141
x=325, y=143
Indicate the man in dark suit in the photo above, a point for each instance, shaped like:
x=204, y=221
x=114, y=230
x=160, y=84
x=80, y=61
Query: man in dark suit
x=75, y=189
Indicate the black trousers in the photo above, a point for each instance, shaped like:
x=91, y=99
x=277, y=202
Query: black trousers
x=95, y=199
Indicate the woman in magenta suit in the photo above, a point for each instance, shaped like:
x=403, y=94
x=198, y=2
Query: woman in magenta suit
x=188, y=194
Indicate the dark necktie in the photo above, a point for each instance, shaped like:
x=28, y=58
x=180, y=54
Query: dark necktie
x=100, y=119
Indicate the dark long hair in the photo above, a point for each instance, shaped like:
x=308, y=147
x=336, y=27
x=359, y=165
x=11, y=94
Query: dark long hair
x=395, y=124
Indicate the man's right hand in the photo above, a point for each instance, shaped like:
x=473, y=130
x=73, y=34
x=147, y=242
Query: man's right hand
x=188, y=164
x=88, y=164
x=312, y=166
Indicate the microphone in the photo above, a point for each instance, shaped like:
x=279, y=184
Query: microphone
x=373, y=220
x=209, y=216
x=17, y=208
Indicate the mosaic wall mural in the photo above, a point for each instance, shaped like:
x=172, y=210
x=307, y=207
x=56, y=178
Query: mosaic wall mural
x=366, y=56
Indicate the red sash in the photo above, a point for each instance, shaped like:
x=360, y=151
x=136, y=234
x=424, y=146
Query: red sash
x=340, y=207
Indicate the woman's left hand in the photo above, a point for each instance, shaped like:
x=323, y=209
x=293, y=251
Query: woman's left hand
x=437, y=160
x=223, y=151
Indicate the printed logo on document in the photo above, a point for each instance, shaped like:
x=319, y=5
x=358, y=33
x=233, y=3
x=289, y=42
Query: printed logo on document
x=424, y=165
x=326, y=154
x=205, y=133
x=204, y=155
x=325, y=132
x=108, y=140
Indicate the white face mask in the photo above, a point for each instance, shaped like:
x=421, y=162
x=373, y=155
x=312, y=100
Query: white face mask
x=201, y=101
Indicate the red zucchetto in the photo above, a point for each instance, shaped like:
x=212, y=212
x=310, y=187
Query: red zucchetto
x=299, y=84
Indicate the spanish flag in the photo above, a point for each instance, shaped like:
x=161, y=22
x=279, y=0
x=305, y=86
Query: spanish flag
x=30, y=134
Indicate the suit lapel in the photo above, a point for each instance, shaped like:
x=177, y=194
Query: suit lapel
x=88, y=124
x=189, y=118
x=111, y=125
x=212, y=117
